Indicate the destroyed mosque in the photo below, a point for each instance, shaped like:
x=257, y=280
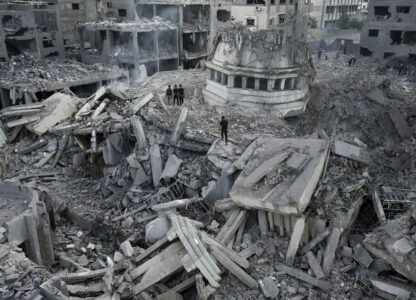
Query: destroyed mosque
x=117, y=182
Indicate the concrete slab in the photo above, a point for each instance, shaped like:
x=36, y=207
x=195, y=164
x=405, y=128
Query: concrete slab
x=400, y=123
x=156, y=163
x=292, y=195
x=352, y=152
x=171, y=167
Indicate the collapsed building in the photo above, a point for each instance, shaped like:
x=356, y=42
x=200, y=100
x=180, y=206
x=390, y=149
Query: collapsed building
x=389, y=30
x=153, y=44
x=30, y=27
x=192, y=19
x=266, y=69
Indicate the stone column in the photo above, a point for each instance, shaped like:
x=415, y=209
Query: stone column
x=231, y=81
x=243, y=82
x=180, y=34
x=282, y=84
x=270, y=84
x=256, y=84
x=292, y=83
x=223, y=79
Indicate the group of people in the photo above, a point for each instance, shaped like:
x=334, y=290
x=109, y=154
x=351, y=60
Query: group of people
x=351, y=61
x=177, y=94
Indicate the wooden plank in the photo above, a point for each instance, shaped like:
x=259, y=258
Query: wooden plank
x=22, y=121
x=233, y=268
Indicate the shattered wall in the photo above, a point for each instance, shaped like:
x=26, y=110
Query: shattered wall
x=263, y=69
x=390, y=29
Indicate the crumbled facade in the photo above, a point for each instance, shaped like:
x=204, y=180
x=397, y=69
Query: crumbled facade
x=267, y=69
x=30, y=27
x=152, y=43
x=390, y=29
x=191, y=17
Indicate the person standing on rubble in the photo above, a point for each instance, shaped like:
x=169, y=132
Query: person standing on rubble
x=319, y=53
x=169, y=93
x=175, y=95
x=181, y=94
x=224, y=129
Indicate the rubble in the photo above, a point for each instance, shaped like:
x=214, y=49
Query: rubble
x=136, y=198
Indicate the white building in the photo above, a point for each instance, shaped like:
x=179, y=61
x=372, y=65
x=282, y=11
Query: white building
x=328, y=12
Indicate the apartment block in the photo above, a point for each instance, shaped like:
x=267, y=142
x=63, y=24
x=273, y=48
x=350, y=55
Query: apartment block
x=328, y=12
x=390, y=29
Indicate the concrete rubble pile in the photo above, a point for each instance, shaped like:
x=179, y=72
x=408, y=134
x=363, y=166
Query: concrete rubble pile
x=121, y=195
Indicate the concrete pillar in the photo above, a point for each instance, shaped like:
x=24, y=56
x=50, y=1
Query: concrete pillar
x=180, y=34
x=81, y=43
x=282, y=84
x=135, y=51
x=223, y=79
x=156, y=44
x=292, y=83
x=244, y=82
x=256, y=84
x=270, y=84
x=231, y=81
x=154, y=10
x=44, y=234
x=268, y=13
x=33, y=248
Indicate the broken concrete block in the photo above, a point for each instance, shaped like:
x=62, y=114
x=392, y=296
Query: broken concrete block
x=324, y=285
x=315, y=266
x=169, y=296
x=331, y=248
x=269, y=287
x=127, y=223
x=400, y=123
x=179, y=126
x=352, y=152
x=157, y=229
x=297, y=161
x=171, y=167
x=142, y=102
x=118, y=257
x=156, y=163
x=377, y=96
x=403, y=246
x=126, y=248
x=392, y=288
x=138, y=132
x=362, y=256
x=295, y=240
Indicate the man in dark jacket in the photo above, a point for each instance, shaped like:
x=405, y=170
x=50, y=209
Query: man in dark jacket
x=169, y=94
x=224, y=129
x=181, y=94
x=175, y=95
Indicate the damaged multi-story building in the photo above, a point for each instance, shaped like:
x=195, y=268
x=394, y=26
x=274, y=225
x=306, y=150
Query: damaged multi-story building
x=159, y=35
x=30, y=27
x=328, y=12
x=390, y=29
x=267, y=69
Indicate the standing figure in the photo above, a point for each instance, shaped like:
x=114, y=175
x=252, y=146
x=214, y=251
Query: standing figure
x=224, y=129
x=319, y=53
x=169, y=93
x=181, y=94
x=175, y=95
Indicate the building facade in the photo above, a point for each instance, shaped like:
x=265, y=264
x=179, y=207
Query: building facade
x=390, y=29
x=262, y=69
x=30, y=27
x=328, y=12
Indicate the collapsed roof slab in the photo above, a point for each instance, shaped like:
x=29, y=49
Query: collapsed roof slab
x=281, y=175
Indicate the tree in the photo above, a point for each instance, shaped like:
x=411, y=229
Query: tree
x=344, y=21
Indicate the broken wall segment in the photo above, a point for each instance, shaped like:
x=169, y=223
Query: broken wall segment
x=30, y=225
